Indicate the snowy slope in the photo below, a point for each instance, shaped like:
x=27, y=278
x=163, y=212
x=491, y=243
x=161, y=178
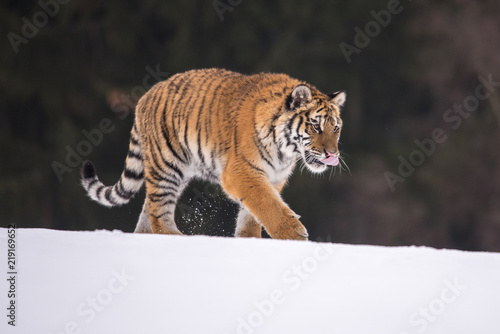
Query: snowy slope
x=114, y=282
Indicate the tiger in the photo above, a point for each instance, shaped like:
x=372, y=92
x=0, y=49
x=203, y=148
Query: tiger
x=243, y=132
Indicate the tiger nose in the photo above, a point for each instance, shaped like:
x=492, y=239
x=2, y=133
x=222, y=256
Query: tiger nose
x=329, y=153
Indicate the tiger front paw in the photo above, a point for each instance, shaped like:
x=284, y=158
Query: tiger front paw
x=291, y=230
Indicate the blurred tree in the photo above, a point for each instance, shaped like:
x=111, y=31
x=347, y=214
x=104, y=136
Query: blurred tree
x=90, y=62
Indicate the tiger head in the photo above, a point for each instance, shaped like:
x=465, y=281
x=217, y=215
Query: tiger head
x=314, y=126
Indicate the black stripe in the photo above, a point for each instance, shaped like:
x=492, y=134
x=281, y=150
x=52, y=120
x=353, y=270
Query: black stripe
x=198, y=139
x=207, y=136
x=154, y=200
x=155, y=175
x=212, y=156
x=175, y=169
x=268, y=133
x=191, y=109
x=159, y=186
x=99, y=191
x=290, y=143
x=169, y=202
x=276, y=115
x=244, y=90
x=130, y=174
x=165, y=134
x=153, y=136
x=254, y=167
x=134, y=141
x=171, y=181
x=160, y=216
x=107, y=195
x=91, y=183
x=176, y=114
x=175, y=136
x=186, y=141
x=319, y=110
x=125, y=195
x=122, y=192
x=208, y=127
x=132, y=154
x=290, y=123
x=297, y=128
x=167, y=163
x=150, y=117
x=175, y=84
x=149, y=181
x=274, y=134
x=259, y=149
x=270, y=129
x=280, y=155
x=155, y=99
x=134, y=135
x=155, y=152
x=154, y=163
x=219, y=80
x=235, y=138
x=200, y=78
x=163, y=194
x=161, y=199
x=258, y=141
x=200, y=153
x=145, y=100
x=175, y=97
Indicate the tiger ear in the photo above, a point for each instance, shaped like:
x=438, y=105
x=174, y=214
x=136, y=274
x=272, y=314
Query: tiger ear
x=338, y=98
x=299, y=97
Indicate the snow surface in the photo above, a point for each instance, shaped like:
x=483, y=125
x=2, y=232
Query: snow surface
x=115, y=282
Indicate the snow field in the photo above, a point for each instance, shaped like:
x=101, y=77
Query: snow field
x=115, y=282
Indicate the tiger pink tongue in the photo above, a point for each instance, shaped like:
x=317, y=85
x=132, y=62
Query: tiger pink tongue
x=332, y=161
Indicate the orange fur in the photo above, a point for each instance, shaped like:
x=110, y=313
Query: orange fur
x=244, y=132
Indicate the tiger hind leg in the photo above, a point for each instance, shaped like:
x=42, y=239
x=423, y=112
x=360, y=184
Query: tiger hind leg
x=161, y=200
x=144, y=224
x=162, y=219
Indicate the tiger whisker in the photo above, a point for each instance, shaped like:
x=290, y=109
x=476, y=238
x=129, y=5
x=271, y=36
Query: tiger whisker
x=342, y=162
x=332, y=172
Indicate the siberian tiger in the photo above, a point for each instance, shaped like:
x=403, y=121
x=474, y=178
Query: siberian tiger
x=245, y=132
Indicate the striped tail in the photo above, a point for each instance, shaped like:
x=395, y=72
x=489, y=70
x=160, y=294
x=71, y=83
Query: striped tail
x=130, y=181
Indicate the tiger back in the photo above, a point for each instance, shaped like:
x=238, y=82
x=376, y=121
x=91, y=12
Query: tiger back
x=244, y=132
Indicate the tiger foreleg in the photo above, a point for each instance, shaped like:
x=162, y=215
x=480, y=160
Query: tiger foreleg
x=263, y=201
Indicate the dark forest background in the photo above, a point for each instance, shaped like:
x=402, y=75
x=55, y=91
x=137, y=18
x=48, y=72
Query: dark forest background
x=63, y=72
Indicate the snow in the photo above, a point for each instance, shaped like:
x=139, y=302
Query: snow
x=115, y=282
